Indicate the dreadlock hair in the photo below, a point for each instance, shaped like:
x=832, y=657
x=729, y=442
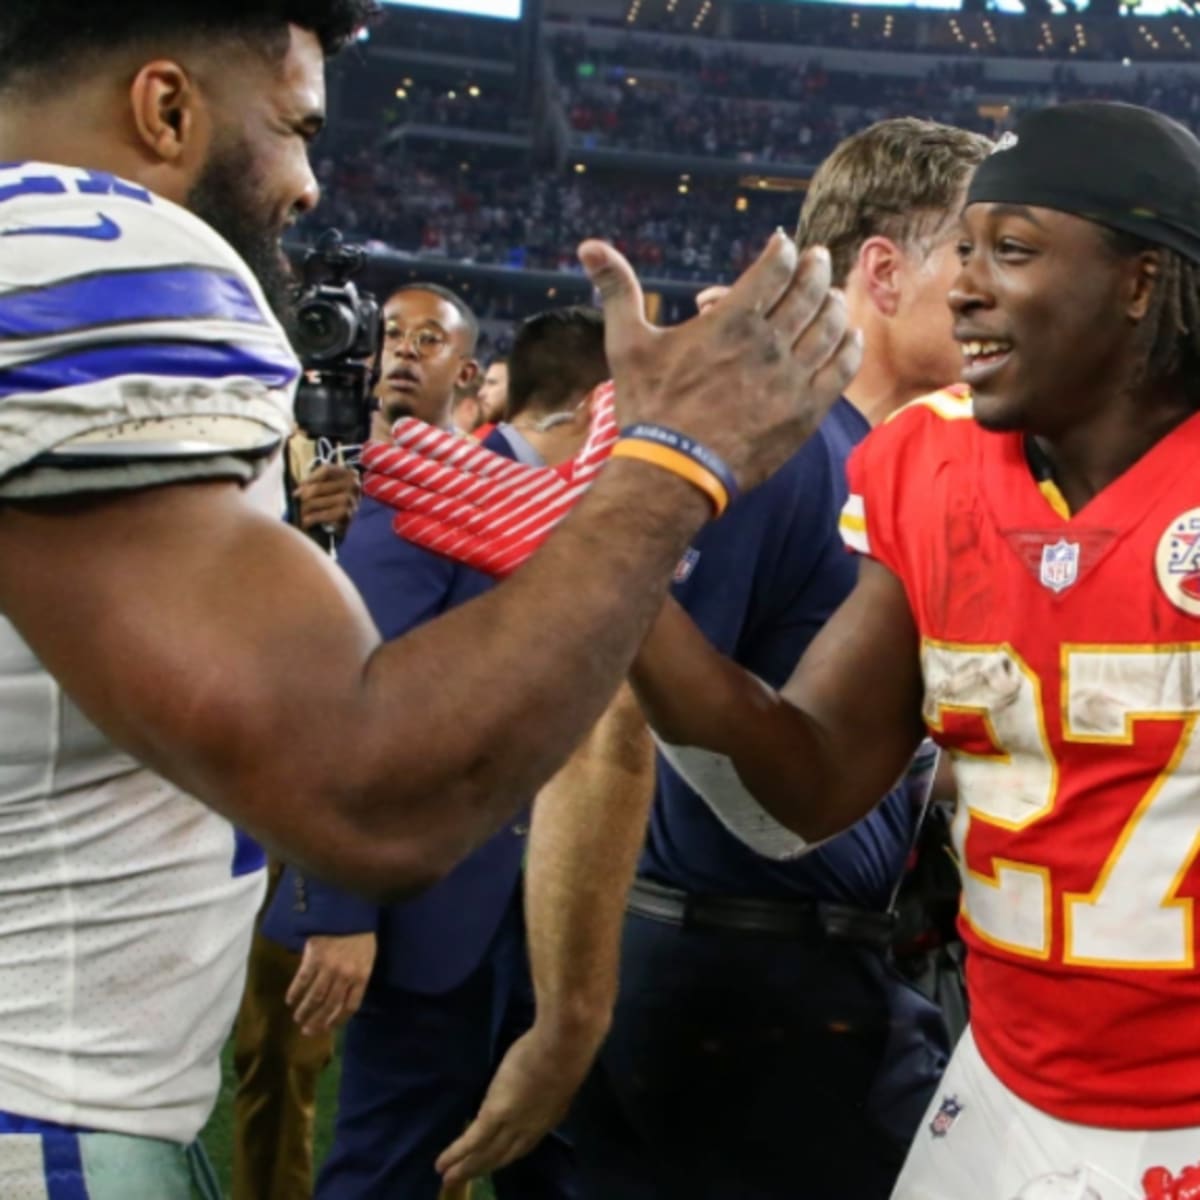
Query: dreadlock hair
x=45, y=39
x=1168, y=336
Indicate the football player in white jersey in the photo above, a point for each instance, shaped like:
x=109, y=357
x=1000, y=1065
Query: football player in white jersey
x=161, y=631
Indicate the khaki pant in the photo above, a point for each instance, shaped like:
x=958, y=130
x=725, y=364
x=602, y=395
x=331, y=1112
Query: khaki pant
x=277, y=1071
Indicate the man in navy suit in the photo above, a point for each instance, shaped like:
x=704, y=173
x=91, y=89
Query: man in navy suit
x=435, y=988
x=762, y=1045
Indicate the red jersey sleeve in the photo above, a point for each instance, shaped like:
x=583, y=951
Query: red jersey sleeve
x=885, y=471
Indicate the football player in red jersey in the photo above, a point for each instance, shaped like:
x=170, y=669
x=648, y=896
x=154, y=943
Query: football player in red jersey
x=1031, y=547
x=1029, y=595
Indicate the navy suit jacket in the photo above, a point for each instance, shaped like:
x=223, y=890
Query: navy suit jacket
x=432, y=943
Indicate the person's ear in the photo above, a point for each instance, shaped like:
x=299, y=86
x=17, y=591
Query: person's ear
x=168, y=115
x=467, y=374
x=880, y=265
x=1142, y=280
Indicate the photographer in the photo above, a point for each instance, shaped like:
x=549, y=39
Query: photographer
x=450, y=989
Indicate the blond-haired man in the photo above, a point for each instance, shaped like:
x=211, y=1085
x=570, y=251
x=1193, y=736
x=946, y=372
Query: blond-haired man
x=760, y=1046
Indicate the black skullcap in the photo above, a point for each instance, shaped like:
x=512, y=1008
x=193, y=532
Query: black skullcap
x=1116, y=164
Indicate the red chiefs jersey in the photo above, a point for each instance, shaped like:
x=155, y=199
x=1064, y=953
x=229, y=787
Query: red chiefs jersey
x=1061, y=664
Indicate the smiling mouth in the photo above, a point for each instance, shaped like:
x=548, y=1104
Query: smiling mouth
x=982, y=357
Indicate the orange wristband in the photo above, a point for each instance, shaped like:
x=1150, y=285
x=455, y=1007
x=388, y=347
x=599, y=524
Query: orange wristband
x=679, y=464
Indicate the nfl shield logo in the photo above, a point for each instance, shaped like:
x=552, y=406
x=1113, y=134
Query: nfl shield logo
x=1060, y=565
x=945, y=1116
x=685, y=566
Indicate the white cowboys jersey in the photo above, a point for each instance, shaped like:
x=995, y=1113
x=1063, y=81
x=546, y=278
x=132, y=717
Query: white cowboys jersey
x=131, y=335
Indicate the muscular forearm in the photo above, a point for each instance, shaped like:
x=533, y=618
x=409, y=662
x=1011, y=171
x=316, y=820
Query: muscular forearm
x=588, y=824
x=225, y=653
x=686, y=687
x=694, y=696
x=815, y=757
x=210, y=646
x=588, y=827
x=548, y=649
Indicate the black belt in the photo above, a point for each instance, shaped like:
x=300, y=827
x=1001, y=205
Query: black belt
x=814, y=919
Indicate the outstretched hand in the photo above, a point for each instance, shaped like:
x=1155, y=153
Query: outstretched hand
x=753, y=376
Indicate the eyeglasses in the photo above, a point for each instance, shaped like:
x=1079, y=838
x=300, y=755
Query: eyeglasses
x=424, y=342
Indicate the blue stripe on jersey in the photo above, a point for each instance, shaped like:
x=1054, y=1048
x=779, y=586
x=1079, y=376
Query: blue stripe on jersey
x=62, y=1160
x=11, y=1123
x=172, y=360
x=46, y=179
x=119, y=297
x=248, y=855
x=39, y=185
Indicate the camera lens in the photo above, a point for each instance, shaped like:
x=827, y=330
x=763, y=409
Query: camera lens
x=324, y=330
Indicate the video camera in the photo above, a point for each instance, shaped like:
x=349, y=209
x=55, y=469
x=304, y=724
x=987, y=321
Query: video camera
x=338, y=336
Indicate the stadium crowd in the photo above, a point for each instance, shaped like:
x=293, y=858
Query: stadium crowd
x=1037, y=33
x=738, y=106
x=456, y=205
x=507, y=217
x=460, y=108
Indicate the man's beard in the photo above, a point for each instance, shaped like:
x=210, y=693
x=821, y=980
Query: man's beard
x=226, y=197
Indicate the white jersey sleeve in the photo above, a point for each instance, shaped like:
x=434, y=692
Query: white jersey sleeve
x=131, y=336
